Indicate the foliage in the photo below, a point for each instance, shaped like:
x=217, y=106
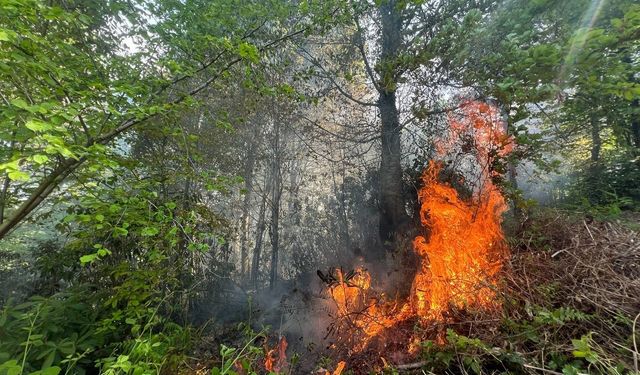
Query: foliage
x=606, y=188
x=544, y=329
x=48, y=334
x=143, y=145
x=248, y=359
x=67, y=332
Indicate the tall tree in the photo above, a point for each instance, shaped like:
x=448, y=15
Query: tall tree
x=404, y=48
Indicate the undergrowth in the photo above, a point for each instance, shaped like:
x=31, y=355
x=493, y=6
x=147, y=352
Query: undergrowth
x=570, y=299
x=571, y=303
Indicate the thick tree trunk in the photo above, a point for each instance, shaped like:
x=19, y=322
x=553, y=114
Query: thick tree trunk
x=392, y=208
x=393, y=216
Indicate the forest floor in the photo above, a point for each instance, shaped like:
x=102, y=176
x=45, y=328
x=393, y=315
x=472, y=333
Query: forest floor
x=570, y=305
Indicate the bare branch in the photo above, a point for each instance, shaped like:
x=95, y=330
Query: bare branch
x=367, y=66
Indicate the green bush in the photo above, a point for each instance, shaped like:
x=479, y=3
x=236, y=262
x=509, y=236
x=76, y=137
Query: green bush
x=43, y=334
x=607, y=187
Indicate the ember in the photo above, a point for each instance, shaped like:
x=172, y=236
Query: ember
x=461, y=256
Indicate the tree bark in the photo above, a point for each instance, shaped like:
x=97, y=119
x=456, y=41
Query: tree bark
x=393, y=216
x=635, y=122
x=635, y=107
x=274, y=230
x=4, y=196
x=596, y=141
x=260, y=227
x=341, y=198
x=44, y=189
x=512, y=173
x=249, y=166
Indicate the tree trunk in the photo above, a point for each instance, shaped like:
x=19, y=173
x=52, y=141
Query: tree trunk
x=594, y=171
x=393, y=216
x=512, y=174
x=249, y=166
x=274, y=230
x=635, y=106
x=4, y=196
x=44, y=189
x=596, y=141
x=635, y=122
x=260, y=227
x=340, y=193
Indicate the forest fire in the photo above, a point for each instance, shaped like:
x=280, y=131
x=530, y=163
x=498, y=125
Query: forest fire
x=462, y=253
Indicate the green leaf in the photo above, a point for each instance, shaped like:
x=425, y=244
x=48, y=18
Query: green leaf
x=11, y=367
x=119, y=231
x=49, y=360
x=149, y=231
x=102, y=252
x=67, y=347
x=18, y=176
x=54, y=370
x=10, y=165
x=248, y=52
x=38, y=126
x=88, y=258
x=40, y=158
x=21, y=104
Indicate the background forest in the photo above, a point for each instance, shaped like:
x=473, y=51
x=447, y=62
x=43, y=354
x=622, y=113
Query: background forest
x=173, y=174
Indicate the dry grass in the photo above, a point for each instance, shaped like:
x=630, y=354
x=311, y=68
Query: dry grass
x=596, y=268
x=563, y=261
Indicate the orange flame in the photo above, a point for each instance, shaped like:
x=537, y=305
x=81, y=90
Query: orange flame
x=273, y=363
x=338, y=370
x=359, y=307
x=465, y=246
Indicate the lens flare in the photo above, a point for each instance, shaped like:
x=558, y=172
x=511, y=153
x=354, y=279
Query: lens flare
x=588, y=20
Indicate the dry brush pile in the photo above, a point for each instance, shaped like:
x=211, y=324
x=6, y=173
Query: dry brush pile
x=573, y=294
x=571, y=305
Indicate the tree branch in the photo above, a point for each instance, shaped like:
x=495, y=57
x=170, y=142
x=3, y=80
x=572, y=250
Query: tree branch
x=335, y=84
x=367, y=66
x=69, y=165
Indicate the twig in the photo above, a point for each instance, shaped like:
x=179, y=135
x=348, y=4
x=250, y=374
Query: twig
x=411, y=366
x=542, y=369
x=588, y=230
x=635, y=344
